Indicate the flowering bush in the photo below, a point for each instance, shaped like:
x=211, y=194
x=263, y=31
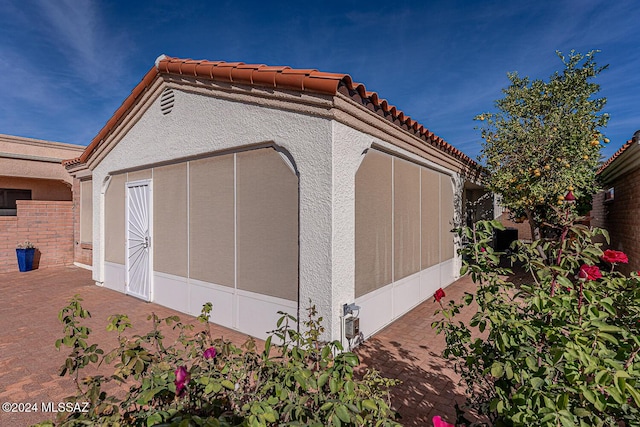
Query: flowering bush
x=561, y=350
x=200, y=381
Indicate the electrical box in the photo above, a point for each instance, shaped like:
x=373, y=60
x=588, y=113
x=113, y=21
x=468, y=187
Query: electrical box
x=351, y=327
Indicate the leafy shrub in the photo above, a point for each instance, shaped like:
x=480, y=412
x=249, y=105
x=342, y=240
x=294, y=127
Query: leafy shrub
x=200, y=381
x=562, y=350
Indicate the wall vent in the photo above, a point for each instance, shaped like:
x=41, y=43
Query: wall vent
x=167, y=99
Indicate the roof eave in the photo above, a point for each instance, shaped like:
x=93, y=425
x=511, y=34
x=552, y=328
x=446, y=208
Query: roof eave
x=284, y=78
x=625, y=162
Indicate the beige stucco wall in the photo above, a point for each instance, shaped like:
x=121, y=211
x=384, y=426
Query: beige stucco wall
x=26, y=157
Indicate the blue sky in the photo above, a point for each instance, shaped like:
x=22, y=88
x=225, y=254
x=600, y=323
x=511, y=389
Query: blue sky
x=67, y=65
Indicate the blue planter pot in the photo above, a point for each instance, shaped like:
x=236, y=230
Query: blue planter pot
x=25, y=259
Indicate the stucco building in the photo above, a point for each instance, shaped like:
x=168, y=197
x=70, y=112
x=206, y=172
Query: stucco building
x=266, y=189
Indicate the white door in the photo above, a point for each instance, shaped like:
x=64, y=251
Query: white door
x=139, y=239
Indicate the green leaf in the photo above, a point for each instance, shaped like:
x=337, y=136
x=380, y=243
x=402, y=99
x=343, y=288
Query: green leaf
x=581, y=412
x=567, y=422
x=351, y=359
x=212, y=387
x=349, y=388
x=588, y=394
x=508, y=371
x=464, y=269
x=605, y=327
x=537, y=383
x=613, y=392
x=563, y=281
x=563, y=401
x=602, y=377
x=608, y=337
x=153, y=419
x=267, y=345
x=322, y=380
x=497, y=369
x=369, y=404
x=147, y=395
x=228, y=384
x=335, y=420
x=600, y=403
x=334, y=385
x=343, y=413
x=634, y=394
x=300, y=379
x=326, y=406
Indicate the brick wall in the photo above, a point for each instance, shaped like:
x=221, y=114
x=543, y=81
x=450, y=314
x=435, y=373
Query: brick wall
x=47, y=224
x=598, y=214
x=83, y=252
x=8, y=226
x=524, y=230
x=623, y=218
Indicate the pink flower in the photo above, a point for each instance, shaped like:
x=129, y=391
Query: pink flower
x=589, y=272
x=614, y=257
x=182, y=378
x=210, y=353
x=438, y=422
x=439, y=295
x=483, y=250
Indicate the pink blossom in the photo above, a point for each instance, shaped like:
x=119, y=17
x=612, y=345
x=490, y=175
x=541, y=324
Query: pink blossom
x=210, y=353
x=438, y=422
x=182, y=378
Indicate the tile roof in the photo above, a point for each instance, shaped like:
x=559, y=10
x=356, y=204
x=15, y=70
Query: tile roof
x=617, y=154
x=287, y=78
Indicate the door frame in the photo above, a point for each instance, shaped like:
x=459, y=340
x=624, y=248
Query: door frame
x=128, y=186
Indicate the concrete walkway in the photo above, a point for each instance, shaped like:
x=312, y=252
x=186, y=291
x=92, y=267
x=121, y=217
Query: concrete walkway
x=29, y=363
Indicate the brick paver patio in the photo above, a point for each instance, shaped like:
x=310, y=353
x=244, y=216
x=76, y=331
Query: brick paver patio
x=408, y=349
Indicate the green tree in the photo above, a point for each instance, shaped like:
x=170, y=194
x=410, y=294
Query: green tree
x=544, y=139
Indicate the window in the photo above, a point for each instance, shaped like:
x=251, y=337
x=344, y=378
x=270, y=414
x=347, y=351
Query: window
x=8, y=197
x=609, y=195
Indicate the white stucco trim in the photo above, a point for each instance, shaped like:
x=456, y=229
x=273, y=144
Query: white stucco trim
x=248, y=312
x=382, y=306
x=114, y=276
x=81, y=265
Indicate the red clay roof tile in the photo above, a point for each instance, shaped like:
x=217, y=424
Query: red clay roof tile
x=303, y=80
x=617, y=154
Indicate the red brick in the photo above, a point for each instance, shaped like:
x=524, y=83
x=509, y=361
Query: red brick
x=49, y=225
